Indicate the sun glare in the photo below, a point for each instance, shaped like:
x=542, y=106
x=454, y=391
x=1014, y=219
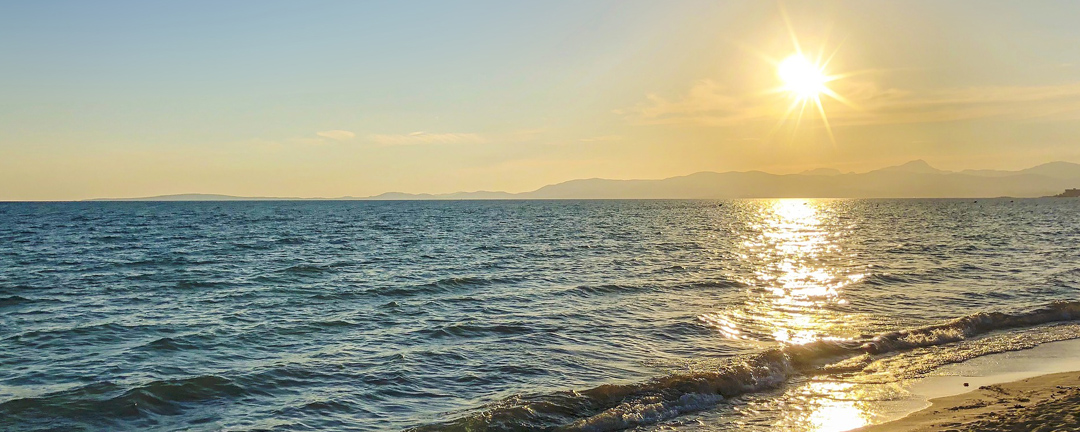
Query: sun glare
x=805, y=82
x=801, y=78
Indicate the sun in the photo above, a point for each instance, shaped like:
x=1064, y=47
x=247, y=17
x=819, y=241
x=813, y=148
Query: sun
x=800, y=77
x=805, y=82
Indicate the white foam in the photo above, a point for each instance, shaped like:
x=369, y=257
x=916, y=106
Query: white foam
x=1053, y=357
x=948, y=380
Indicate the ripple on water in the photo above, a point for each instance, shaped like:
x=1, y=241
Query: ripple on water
x=579, y=314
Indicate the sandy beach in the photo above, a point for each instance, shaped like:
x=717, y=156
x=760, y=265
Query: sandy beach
x=1043, y=403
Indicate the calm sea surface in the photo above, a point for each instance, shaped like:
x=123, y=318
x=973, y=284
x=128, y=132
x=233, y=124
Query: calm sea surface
x=513, y=315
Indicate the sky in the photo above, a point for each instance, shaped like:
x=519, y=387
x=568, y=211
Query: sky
x=348, y=98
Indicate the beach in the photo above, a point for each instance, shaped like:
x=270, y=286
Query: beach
x=1042, y=403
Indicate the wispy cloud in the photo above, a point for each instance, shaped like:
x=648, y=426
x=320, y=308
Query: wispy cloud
x=710, y=104
x=417, y=138
x=337, y=135
x=970, y=103
x=602, y=138
x=707, y=103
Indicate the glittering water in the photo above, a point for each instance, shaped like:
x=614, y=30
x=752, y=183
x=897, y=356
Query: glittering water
x=589, y=315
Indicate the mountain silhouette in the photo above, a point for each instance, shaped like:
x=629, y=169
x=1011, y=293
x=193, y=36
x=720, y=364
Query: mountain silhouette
x=916, y=166
x=915, y=179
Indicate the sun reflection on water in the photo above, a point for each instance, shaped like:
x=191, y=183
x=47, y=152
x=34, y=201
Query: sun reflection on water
x=800, y=270
x=795, y=250
x=829, y=407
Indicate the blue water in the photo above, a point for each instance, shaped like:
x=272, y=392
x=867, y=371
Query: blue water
x=499, y=315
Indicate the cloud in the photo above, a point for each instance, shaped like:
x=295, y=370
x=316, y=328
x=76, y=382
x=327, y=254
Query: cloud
x=337, y=135
x=602, y=138
x=707, y=103
x=710, y=104
x=1055, y=102
x=417, y=138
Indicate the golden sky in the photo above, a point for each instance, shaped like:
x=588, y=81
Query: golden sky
x=329, y=99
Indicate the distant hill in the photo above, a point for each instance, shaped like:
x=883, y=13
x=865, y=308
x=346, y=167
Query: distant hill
x=822, y=171
x=915, y=179
x=478, y=195
x=195, y=197
x=388, y=196
x=875, y=184
x=1059, y=170
x=916, y=166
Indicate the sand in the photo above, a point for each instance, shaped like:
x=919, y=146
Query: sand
x=1043, y=403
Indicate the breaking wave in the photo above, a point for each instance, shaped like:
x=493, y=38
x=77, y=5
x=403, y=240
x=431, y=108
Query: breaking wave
x=622, y=406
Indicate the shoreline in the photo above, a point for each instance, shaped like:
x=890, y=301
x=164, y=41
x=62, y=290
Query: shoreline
x=1045, y=402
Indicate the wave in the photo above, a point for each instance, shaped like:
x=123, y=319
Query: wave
x=106, y=400
x=1064, y=277
x=588, y=290
x=468, y=330
x=880, y=279
x=168, y=261
x=109, y=331
x=194, y=284
x=971, y=325
x=606, y=289
x=290, y=240
x=446, y=285
x=302, y=269
x=13, y=290
x=455, y=282
x=258, y=245
x=14, y=300
x=616, y=407
x=193, y=341
x=962, y=271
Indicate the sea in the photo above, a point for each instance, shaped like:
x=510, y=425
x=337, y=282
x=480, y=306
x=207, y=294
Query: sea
x=596, y=315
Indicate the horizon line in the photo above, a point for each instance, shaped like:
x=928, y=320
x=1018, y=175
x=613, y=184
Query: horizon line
x=434, y=196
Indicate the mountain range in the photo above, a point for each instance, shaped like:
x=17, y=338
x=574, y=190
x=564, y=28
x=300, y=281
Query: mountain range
x=915, y=179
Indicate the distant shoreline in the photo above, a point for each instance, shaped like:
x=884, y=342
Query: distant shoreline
x=257, y=199
x=915, y=179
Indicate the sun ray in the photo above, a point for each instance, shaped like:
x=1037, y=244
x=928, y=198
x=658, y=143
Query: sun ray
x=756, y=53
x=798, y=121
x=841, y=99
x=825, y=64
x=791, y=30
x=825, y=119
x=806, y=81
x=852, y=73
x=790, y=109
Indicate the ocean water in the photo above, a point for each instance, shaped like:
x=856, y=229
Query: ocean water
x=738, y=315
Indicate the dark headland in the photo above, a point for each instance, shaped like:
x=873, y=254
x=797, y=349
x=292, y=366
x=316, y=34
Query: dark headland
x=1069, y=193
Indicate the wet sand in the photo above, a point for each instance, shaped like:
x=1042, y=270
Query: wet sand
x=1042, y=403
